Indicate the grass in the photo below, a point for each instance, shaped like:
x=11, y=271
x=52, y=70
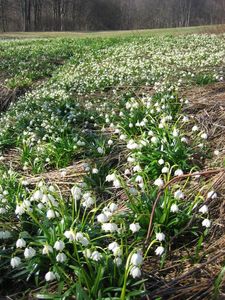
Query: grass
x=121, y=33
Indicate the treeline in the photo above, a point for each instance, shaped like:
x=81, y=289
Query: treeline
x=88, y=15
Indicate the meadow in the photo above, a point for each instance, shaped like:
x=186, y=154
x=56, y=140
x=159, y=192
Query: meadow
x=110, y=186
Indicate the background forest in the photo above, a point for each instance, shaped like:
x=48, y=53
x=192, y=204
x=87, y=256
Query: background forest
x=88, y=15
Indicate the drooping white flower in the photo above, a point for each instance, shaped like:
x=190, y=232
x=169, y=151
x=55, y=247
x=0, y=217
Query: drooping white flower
x=102, y=218
x=136, y=259
x=87, y=253
x=15, y=262
x=179, y=195
x=135, y=272
x=178, y=172
x=38, y=195
x=204, y=136
x=110, y=177
x=113, y=245
x=160, y=236
x=50, y=276
x=59, y=245
x=154, y=140
x=159, y=250
x=47, y=249
x=139, y=179
x=159, y=182
x=117, y=261
x=195, y=128
x=76, y=193
x=116, y=184
x=2, y=210
x=212, y=194
x=94, y=171
x=20, y=243
x=29, y=252
x=109, y=227
x=206, y=223
x=135, y=227
x=88, y=202
x=161, y=161
x=216, y=152
x=165, y=170
x=50, y=214
x=61, y=257
x=174, y=208
x=20, y=210
x=203, y=209
x=113, y=207
x=100, y=150
x=96, y=256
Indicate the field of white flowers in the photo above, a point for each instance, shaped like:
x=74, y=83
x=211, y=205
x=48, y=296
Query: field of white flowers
x=103, y=180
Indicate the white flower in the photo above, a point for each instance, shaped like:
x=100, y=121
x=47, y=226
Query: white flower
x=50, y=214
x=94, y=171
x=212, y=195
x=136, y=259
x=161, y=162
x=137, y=168
x=174, y=208
x=61, y=257
x=204, y=136
x=206, y=223
x=15, y=261
x=175, y=133
x=110, y=177
x=159, y=182
x=135, y=272
x=96, y=256
x=203, y=209
x=127, y=172
x=5, y=234
x=29, y=252
x=139, y=179
x=100, y=150
x=87, y=253
x=2, y=210
x=117, y=261
x=154, y=140
x=165, y=170
x=216, y=152
x=116, y=184
x=194, y=128
x=76, y=193
x=38, y=195
x=50, y=276
x=69, y=234
x=20, y=243
x=113, y=207
x=113, y=245
x=84, y=241
x=102, y=218
x=47, y=249
x=135, y=227
x=178, y=172
x=179, y=195
x=19, y=210
x=160, y=236
x=110, y=142
x=109, y=227
x=59, y=245
x=88, y=202
x=159, y=250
